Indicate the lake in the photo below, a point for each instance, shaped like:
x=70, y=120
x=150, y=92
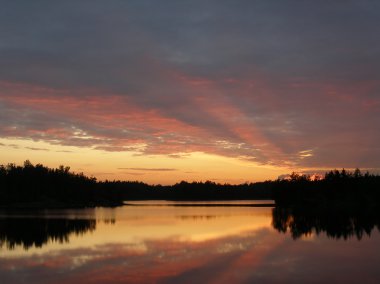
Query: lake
x=183, y=242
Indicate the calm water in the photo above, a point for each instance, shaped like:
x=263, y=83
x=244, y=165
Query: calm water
x=156, y=243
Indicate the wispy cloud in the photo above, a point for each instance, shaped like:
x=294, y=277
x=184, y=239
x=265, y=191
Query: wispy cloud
x=149, y=169
x=37, y=149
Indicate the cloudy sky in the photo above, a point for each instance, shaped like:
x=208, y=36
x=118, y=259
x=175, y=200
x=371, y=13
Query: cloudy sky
x=161, y=91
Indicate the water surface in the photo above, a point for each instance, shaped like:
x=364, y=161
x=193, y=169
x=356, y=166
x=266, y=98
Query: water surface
x=208, y=243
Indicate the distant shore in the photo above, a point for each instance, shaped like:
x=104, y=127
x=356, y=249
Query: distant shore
x=38, y=187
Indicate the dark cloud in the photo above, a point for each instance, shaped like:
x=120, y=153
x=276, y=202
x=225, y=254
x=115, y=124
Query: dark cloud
x=80, y=43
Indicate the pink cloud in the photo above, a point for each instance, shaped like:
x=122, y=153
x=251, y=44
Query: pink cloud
x=249, y=118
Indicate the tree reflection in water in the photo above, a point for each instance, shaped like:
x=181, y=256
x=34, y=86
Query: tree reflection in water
x=37, y=232
x=337, y=224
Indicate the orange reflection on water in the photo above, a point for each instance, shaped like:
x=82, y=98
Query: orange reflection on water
x=136, y=224
x=161, y=244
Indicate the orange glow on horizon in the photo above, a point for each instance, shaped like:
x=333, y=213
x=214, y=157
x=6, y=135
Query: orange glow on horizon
x=152, y=169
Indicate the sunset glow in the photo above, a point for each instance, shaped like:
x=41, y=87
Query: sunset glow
x=190, y=91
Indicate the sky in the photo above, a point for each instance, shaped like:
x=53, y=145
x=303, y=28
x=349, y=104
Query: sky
x=164, y=91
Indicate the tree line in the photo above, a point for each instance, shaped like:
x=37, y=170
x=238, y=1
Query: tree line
x=340, y=189
x=32, y=185
x=39, y=186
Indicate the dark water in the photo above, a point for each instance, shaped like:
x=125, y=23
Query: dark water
x=187, y=244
